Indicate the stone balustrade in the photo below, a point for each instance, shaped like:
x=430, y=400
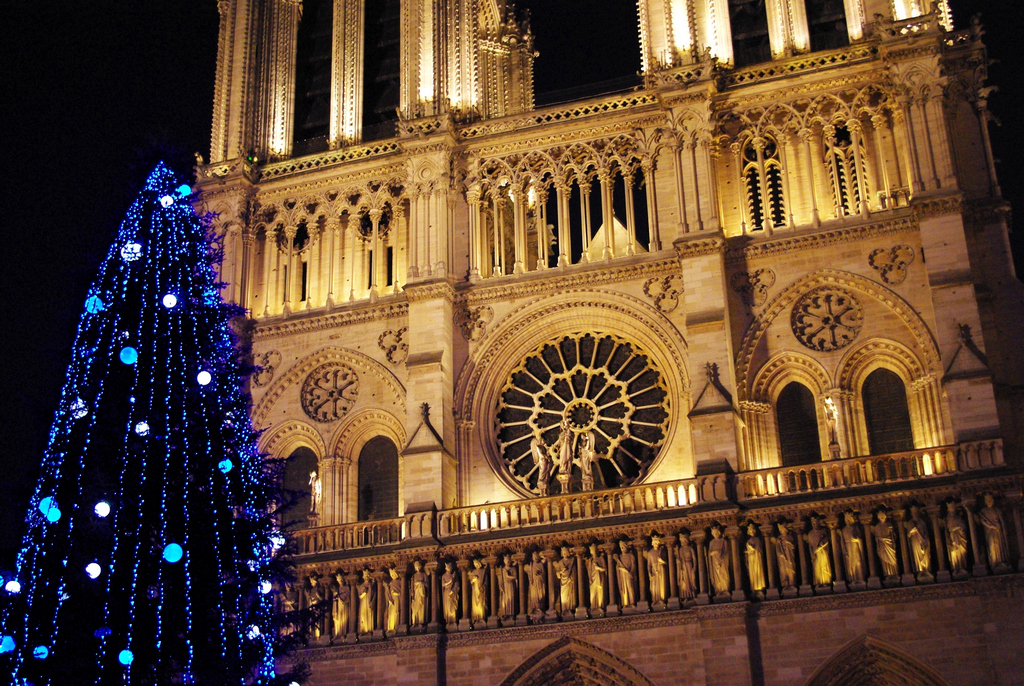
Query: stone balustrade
x=352, y=536
x=862, y=471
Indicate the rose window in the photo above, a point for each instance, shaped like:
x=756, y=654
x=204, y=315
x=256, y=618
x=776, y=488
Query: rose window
x=329, y=391
x=599, y=384
x=827, y=319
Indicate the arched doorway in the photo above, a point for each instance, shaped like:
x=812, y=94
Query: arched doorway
x=798, y=426
x=378, y=479
x=569, y=661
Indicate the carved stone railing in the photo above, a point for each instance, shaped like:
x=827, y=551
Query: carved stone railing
x=352, y=536
x=588, y=505
x=862, y=471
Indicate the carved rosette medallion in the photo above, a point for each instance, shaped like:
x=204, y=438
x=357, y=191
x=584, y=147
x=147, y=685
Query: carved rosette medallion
x=394, y=345
x=827, y=319
x=753, y=286
x=601, y=384
x=664, y=291
x=892, y=264
x=329, y=392
x=473, y=321
x=266, y=366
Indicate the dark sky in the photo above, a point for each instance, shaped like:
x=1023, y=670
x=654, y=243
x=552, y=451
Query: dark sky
x=90, y=92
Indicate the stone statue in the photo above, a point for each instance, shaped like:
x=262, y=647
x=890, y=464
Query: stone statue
x=755, y=559
x=657, y=571
x=418, y=596
x=821, y=548
x=565, y=448
x=785, y=551
x=316, y=493
x=538, y=584
x=920, y=545
x=625, y=572
x=565, y=572
x=595, y=575
x=367, y=592
x=315, y=594
x=393, y=596
x=587, y=457
x=543, y=462
x=686, y=567
x=956, y=540
x=450, y=594
x=508, y=587
x=290, y=603
x=853, y=550
x=995, y=533
x=718, y=561
x=478, y=591
x=339, y=605
x=885, y=544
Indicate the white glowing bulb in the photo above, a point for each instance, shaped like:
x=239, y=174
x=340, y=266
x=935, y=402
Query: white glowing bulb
x=204, y=377
x=142, y=429
x=92, y=570
x=266, y=587
x=170, y=300
x=13, y=587
x=166, y=201
x=102, y=508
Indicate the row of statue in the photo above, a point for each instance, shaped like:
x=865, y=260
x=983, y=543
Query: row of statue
x=568, y=449
x=756, y=561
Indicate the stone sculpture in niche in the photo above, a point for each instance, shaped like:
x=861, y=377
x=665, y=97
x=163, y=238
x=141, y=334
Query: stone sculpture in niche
x=718, y=562
x=686, y=567
x=625, y=571
x=450, y=594
x=754, y=552
x=329, y=392
x=418, y=596
x=821, y=549
x=478, y=591
x=853, y=550
x=315, y=594
x=885, y=544
x=657, y=573
x=785, y=552
x=538, y=586
x=367, y=592
x=393, y=591
x=508, y=585
x=827, y=319
x=595, y=575
x=920, y=544
x=339, y=605
x=995, y=535
x=565, y=572
x=956, y=542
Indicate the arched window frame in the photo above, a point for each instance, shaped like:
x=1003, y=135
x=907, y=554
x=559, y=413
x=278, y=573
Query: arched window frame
x=762, y=180
x=845, y=156
x=359, y=430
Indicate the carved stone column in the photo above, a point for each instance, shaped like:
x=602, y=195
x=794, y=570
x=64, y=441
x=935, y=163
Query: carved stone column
x=522, y=619
x=673, y=583
x=492, y=565
x=942, y=575
x=642, y=604
x=772, y=592
x=733, y=534
x=806, y=588
x=552, y=613
x=908, y=578
x=869, y=551
x=435, y=596
x=839, y=584
x=702, y=567
x=378, y=577
x=403, y=601
x=581, y=583
x=980, y=568
x=612, y=610
x=353, y=608
x=467, y=608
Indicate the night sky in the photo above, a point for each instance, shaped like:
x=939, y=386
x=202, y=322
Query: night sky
x=93, y=93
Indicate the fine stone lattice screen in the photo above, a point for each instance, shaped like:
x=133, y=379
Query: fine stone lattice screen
x=601, y=385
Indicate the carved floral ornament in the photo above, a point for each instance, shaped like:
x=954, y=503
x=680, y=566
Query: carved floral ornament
x=473, y=321
x=394, y=345
x=664, y=291
x=575, y=392
x=892, y=264
x=827, y=318
x=329, y=392
x=753, y=286
x=266, y=366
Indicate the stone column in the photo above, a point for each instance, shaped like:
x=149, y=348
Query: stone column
x=980, y=568
x=475, y=232
x=1015, y=510
x=403, y=602
x=806, y=588
x=562, y=190
x=435, y=596
x=702, y=568
x=772, y=592
x=869, y=544
x=673, y=583
x=642, y=604
x=581, y=583
x=552, y=613
x=378, y=577
x=908, y=578
x=353, y=608
x=467, y=609
x=733, y=534
x=942, y=575
x=612, y=610
x=647, y=164
x=492, y=564
x=839, y=583
x=522, y=619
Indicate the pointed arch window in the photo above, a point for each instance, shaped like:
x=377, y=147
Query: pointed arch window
x=843, y=153
x=762, y=182
x=797, y=419
x=748, y=21
x=378, y=479
x=295, y=483
x=886, y=413
x=826, y=23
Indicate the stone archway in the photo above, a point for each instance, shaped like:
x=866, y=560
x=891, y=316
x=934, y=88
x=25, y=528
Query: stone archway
x=569, y=661
x=870, y=661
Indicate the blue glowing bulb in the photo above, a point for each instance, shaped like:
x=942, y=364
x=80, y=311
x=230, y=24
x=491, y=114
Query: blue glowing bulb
x=253, y=632
x=125, y=657
x=131, y=252
x=129, y=355
x=93, y=570
x=6, y=644
x=266, y=587
x=79, y=409
x=94, y=304
x=204, y=377
x=53, y=514
x=166, y=201
x=13, y=587
x=102, y=509
x=40, y=652
x=170, y=300
x=46, y=503
x=173, y=552
x=102, y=632
x=142, y=429
x=183, y=190
x=225, y=465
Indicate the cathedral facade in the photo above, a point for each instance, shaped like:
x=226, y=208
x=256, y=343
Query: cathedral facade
x=708, y=380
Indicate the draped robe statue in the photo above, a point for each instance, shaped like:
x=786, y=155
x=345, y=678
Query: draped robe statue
x=508, y=588
x=478, y=587
x=718, y=561
x=885, y=544
x=543, y=461
x=625, y=572
x=565, y=571
x=995, y=533
x=785, y=552
x=367, y=592
x=315, y=594
x=920, y=545
x=821, y=547
x=956, y=535
x=418, y=595
x=853, y=549
x=393, y=596
x=754, y=552
x=657, y=571
x=450, y=594
x=686, y=568
x=339, y=605
x=587, y=457
x=538, y=584
x=595, y=575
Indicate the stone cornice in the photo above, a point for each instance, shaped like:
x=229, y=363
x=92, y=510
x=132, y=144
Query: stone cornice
x=785, y=242
x=429, y=290
x=698, y=245
x=277, y=327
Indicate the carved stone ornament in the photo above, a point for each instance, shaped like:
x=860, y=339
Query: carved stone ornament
x=892, y=264
x=753, y=286
x=473, y=321
x=394, y=346
x=583, y=398
x=827, y=319
x=664, y=291
x=266, y=366
x=329, y=392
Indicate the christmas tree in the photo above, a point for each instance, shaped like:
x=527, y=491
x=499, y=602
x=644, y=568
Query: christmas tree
x=149, y=556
